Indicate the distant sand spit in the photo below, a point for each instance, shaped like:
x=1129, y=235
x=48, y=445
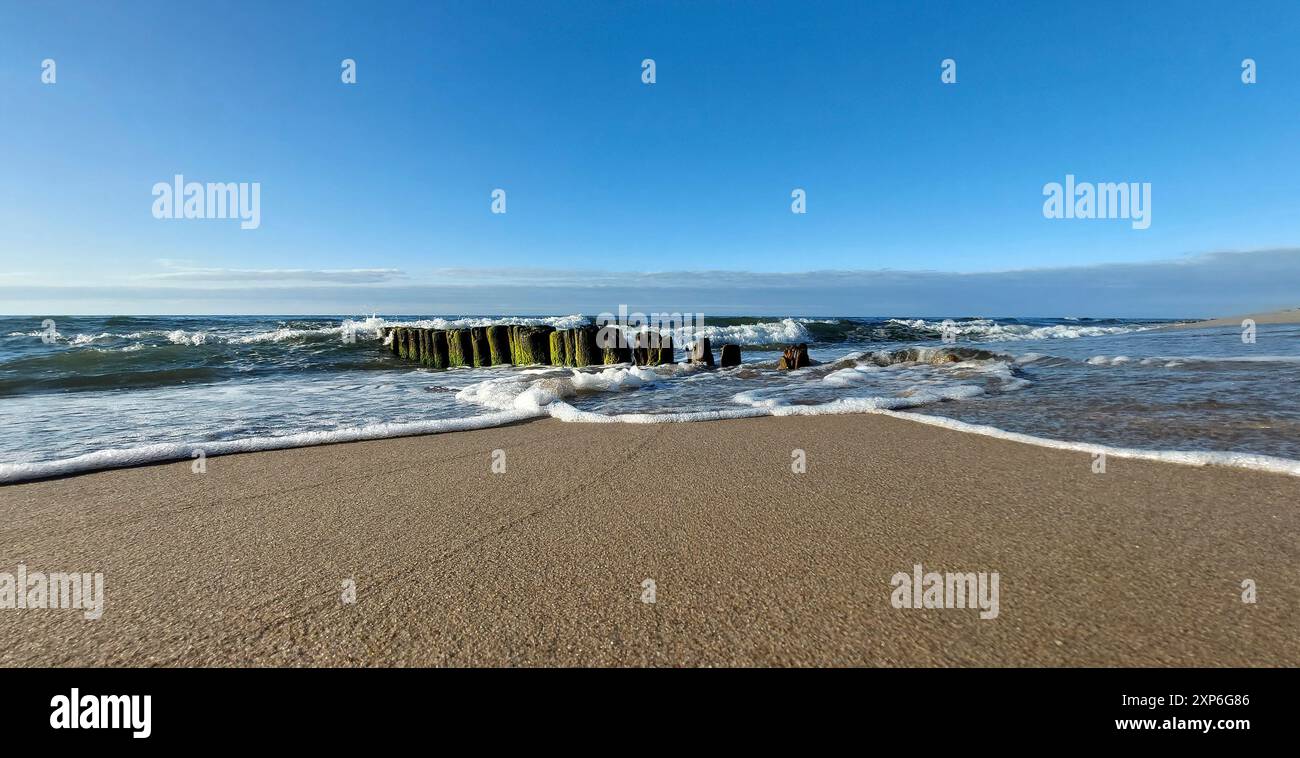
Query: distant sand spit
x=1290, y=316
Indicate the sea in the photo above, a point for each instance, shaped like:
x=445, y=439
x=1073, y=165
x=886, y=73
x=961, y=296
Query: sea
x=82, y=393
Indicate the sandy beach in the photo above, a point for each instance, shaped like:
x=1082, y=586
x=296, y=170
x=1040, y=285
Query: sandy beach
x=1289, y=316
x=753, y=564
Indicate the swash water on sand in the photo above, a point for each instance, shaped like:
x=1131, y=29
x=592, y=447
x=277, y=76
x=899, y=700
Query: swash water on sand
x=113, y=391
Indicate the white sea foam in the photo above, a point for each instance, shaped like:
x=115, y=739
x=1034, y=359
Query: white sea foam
x=891, y=406
x=559, y=322
x=161, y=452
x=370, y=327
x=910, y=398
x=1237, y=358
x=544, y=393
x=182, y=337
x=175, y=336
x=918, y=396
x=787, y=330
x=565, y=412
x=783, y=331
x=512, y=392
x=540, y=387
x=89, y=339
x=854, y=376
x=1103, y=360
x=614, y=379
x=1186, y=457
x=1165, y=360
x=986, y=330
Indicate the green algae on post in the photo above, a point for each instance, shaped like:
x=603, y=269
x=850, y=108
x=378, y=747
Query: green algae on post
x=559, y=353
x=498, y=338
x=460, y=348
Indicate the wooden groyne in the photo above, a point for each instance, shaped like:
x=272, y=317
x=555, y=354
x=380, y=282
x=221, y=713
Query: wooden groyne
x=520, y=345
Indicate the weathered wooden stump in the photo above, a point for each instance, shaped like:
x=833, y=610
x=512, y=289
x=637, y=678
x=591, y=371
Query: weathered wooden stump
x=530, y=345
x=399, y=343
x=612, y=355
x=795, y=356
x=701, y=352
x=730, y=356
x=499, y=344
x=460, y=348
x=438, y=349
x=570, y=347
x=538, y=342
x=512, y=334
x=420, y=348
x=653, y=349
x=559, y=351
x=482, y=353
x=413, y=344
x=585, y=351
x=425, y=348
x=515, y=344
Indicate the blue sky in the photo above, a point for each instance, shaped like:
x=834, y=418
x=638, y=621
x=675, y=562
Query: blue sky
x=372, y=193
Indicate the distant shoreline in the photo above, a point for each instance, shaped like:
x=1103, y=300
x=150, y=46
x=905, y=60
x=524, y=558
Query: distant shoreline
x=1288, y=316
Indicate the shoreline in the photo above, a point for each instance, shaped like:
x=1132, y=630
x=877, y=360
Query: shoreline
x=160, y=454
x=1285, y=316
x=543, y=564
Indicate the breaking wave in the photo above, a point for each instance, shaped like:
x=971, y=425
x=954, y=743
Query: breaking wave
x=988, y=330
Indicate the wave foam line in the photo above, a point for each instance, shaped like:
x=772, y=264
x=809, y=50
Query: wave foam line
x=1252, y=461
x=988, y=330
x=560, y=410
x=174, y=451
x=559, y=322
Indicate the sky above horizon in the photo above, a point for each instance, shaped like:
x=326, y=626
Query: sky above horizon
x=377, y=195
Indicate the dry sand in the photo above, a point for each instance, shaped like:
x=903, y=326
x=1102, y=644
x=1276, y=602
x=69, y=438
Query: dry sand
x=754, y=564
x=1291, y=316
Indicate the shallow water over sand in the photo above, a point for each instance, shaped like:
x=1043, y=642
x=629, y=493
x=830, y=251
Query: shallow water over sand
x=120, y=390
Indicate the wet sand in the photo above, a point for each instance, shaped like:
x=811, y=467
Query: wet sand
x=753, y=564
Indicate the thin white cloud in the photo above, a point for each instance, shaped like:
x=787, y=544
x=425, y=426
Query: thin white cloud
x=180, y=273
x=1215, y=284
x=1286, y=258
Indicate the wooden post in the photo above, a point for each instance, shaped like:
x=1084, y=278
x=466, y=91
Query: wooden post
x=460, y=348
x=422, y=347
x=559, y=353
x=701, y=352
x=653, y=349
x=585, y=352
x=795, y=356
x=499, y=344
x=399, y=342
x=505, y=344
x=482, y=353
x=612, y=355
x=531, y=344
x=437, y=356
